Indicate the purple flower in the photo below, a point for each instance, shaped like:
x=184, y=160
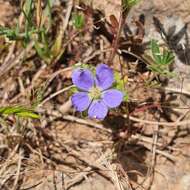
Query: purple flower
x=94, y=91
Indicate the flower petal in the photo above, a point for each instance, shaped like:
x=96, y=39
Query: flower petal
x=112, y=98
x=97, y=110
x=83, y=79
x=80, y=101
x=104, y=76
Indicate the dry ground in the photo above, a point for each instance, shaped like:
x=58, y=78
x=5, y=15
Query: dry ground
x=63, y=151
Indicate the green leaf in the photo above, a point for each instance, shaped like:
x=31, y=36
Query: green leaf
x=42, y=51
x=78, y=21
x=47, y=14
x=168, y=57
x=57, y=46
x=155, y=51
x=31, y=115
x=27, y=10
x=74, y=90
x=127, y=4
x=126, y=97
x=120, y=85
x=19, y=111
x=11, y=34
x=161, y=60
x=164, y=58
x=28, y=7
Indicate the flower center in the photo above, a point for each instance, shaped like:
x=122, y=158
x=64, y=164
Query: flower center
x=95, y=93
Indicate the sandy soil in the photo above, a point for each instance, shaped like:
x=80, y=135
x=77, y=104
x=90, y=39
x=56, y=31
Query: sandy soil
x=86, y=158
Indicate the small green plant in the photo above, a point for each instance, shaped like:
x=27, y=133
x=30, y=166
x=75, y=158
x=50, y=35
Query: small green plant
x=120, y=84
x=19, y=111
x=127, y=4
x=78, y=21
x=161, y=60
x=32, y=31
x=15, y=34
x=11, y=34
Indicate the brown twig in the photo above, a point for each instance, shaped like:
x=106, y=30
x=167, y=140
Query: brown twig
x=169, y=124
x=55, y=94
x=85, y=122
x=123, y=15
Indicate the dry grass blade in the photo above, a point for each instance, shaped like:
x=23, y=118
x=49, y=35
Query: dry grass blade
x=169, y=124
x=85, y=122
x=55, y=94
x=7, y=66
x=15, y=185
